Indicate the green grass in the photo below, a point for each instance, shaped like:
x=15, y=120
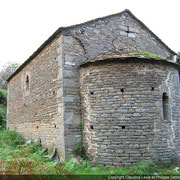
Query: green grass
x=151, y=54
x=18, y=158
x=148, y=54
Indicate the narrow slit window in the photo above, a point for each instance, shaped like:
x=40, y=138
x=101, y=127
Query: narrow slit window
x=128, y=30
x=27, y=82
x=165, y=100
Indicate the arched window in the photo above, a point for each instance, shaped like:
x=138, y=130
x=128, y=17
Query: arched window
x=27, y=82
x=165, y=100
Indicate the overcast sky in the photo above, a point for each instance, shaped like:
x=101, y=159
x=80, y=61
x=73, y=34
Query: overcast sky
x=26, y=24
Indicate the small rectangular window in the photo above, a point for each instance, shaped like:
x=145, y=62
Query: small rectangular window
x=27, y=82
x=165, y=100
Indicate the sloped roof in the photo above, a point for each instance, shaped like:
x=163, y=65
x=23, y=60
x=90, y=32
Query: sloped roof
x=123, y=55
x=130, y=56
x=60, y=30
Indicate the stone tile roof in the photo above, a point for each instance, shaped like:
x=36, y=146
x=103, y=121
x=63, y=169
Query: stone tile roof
x=65, y=30
x=130, y=56
x=124, y=55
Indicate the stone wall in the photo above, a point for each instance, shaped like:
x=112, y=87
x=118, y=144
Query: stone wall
x=37, y=112
x=114, y=34
x=93, y=40
x=122, y=111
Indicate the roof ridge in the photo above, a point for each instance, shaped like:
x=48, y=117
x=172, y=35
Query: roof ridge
x=97, y=19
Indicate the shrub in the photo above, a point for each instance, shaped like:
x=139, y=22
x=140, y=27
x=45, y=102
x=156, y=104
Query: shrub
x=3, y=103
x=18, y=158
x=80, y=150
x=11, y=138
x=3, y=97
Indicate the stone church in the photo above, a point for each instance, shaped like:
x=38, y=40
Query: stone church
x=96, y=82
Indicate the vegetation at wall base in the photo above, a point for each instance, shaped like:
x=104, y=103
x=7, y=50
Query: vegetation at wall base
x=80, y=150
x=17, y=157
x=20, y=158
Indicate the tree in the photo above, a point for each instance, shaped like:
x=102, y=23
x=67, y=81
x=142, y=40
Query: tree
x=7, y=70
x=3, y=108
x=178, y=57
x=178, y=54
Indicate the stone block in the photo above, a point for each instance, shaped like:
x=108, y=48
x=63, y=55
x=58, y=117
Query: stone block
x=133, y=146
x=60, y=92
x=68, y=60
x=68, y=99
x=131, y=29
x=71, y=140
x=132, y=35
x=124, y=28
x=59, y=59
x=70, y=83
x=68, y=73
x=123, y=33
x=119, y=151
x=71, y=118
x=68, y=40
x=59, y=49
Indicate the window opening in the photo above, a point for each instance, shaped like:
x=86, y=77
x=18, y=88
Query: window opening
x=165, y=100
x=27, y=82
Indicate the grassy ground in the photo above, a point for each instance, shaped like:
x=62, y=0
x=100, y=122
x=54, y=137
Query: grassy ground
x=18, y=158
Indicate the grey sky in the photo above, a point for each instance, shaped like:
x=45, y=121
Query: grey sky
x=26, y=24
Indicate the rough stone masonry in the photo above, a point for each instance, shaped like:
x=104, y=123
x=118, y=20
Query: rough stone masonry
x=129, y=105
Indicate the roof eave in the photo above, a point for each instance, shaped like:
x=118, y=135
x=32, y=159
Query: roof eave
x=130, y=59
